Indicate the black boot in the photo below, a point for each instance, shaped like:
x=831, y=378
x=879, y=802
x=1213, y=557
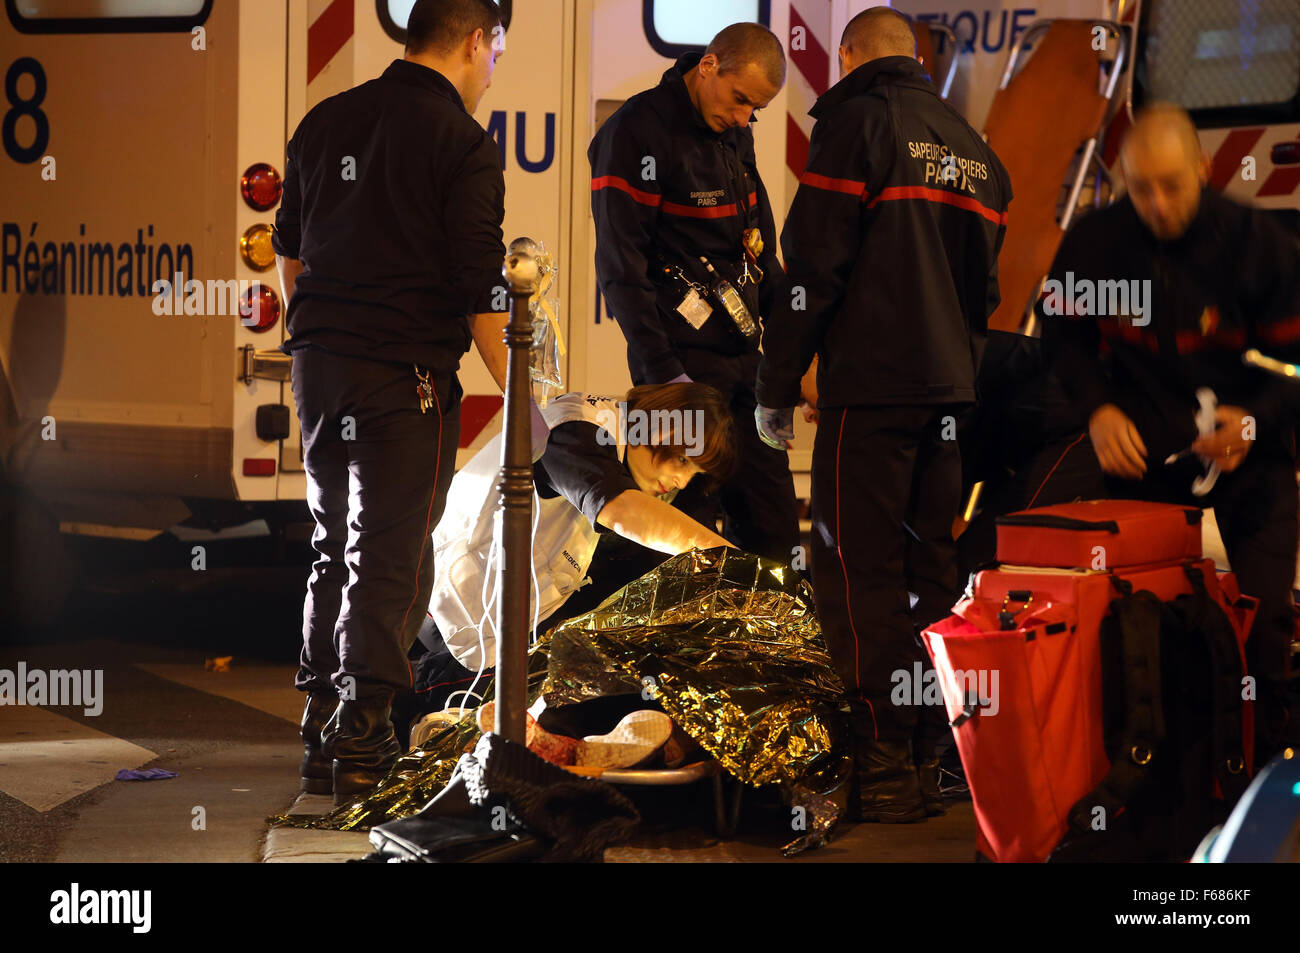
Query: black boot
x=886, y=788
x=317, y=770
x=927, y=772
x=364, y=746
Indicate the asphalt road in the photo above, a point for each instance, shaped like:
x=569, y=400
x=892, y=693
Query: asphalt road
x=144, y=616
x=140, y=609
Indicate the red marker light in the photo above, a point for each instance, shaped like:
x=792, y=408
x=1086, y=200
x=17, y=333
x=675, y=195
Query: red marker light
x=260, y=186
x=1285, y=153
x=259, y=466
x=259, y=308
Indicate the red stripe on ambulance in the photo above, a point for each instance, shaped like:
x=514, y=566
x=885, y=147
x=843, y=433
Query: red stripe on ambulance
x=326, y=36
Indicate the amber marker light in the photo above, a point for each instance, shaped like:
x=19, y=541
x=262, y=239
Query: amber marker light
x=255, y=247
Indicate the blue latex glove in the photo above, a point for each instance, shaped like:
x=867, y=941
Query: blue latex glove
x=775, y=427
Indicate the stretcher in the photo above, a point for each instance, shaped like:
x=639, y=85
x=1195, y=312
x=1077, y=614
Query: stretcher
x=1048, y=117
x=927, y=33
x=727, y=791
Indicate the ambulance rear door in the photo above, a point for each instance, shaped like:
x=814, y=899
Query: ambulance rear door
x=1236, y=69
x=120, y=170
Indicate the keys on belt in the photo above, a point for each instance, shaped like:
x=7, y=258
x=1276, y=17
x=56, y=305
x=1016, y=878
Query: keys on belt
x=423, y=389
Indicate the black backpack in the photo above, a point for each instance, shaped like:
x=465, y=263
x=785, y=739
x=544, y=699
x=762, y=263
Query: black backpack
x=1172, y=705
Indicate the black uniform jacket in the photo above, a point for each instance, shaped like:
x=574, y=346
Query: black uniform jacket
x=393, y=200
x=666, y=188
x=579, y=467
x=890, y=248
x=1231, y=282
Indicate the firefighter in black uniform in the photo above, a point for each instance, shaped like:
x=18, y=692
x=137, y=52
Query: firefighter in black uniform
x=891, y=249
x=389, y=244
x=1206, y=279
x=680, y=207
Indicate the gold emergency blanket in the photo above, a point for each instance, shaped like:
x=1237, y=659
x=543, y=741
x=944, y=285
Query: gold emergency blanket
x=727, y=642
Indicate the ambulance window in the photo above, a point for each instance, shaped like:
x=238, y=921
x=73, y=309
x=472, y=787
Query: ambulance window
x=674, y=27
x=393, y=15
x=1223, y=61
x=107, y=16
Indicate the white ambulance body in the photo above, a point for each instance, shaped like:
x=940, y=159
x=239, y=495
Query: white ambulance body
x=128, y=139
x=128, y=128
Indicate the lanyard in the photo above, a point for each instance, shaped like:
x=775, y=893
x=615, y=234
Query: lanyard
x=751, y=241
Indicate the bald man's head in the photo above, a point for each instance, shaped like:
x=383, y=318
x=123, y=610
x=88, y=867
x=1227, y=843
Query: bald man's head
x=1164, y=169
x=742, y=44
x=874, y=33
x=740, y=72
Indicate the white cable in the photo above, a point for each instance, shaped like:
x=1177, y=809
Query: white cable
x=486, y=597
x=532, y=568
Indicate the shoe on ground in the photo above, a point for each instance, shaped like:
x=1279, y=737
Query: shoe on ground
x=638, y=736
x=557, y=749
x=886, y=788
x=432, y=723
x=928, y=773
x=365, y=748
x=317, y=770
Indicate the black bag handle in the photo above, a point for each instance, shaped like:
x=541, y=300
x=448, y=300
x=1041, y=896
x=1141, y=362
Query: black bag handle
x=1052, y=521
x=1138, y=617
x=1226, y=727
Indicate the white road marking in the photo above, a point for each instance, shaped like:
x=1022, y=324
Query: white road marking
x=46, y=759
x=267, y=688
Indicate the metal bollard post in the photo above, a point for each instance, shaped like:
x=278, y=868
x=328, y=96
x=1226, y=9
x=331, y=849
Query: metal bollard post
x=516, y=493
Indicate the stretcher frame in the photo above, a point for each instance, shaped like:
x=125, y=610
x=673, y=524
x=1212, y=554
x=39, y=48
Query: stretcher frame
x=726, y=806
x=1089, y=160
x=926, y=51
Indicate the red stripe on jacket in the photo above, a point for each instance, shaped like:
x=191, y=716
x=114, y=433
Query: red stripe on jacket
x=830, y=184
x=706, y=211
x=615, y=182
x=1282, y=332
x=900, y=192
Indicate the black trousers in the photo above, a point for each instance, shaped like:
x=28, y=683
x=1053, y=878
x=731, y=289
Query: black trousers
x=886, y=487
x=1256, y=509
x=378, y=471
x=758, y=503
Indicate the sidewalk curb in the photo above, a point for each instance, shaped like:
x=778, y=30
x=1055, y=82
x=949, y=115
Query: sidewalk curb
x=296, y=845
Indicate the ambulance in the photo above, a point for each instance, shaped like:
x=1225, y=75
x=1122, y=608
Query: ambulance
x=143, y=142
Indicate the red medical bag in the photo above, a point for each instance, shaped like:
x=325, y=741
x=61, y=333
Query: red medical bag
x=1100, y=535
x=1029, y=638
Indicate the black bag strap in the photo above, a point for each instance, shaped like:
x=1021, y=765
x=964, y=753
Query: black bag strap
x=1226, y=679
x=1137, y=616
